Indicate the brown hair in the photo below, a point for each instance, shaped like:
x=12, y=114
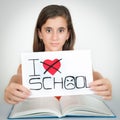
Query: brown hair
x=52, y=11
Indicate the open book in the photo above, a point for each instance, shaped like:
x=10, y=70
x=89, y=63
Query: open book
x=81, y=105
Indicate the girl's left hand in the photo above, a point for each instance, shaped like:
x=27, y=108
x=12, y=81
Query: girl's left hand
x=102, y=87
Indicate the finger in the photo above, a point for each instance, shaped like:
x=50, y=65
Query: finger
x=22, y=89
x=19, y=90
x=15, y=99
x=103, y=93
x=100, y=88
x=9, y=100
x=96, y=83
x=16, y=94
x=107, y=97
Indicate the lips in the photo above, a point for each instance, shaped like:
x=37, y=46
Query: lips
x=54, y=44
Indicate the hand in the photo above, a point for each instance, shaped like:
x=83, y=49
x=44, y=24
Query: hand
x=15, y=92
x=102, y=87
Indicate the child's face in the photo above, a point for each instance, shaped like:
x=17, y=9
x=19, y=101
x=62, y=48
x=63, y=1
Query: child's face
x=54, y=33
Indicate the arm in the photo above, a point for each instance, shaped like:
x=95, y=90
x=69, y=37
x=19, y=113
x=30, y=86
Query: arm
x=101, y=86
x=15, y=92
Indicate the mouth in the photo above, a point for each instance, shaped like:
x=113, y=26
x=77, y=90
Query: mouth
x=70, y=84
x=54, y=44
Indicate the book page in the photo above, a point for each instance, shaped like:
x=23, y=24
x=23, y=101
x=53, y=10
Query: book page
x=83, y=105
x=34, y=107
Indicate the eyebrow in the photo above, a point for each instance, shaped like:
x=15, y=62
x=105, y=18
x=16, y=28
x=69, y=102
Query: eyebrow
x=47, y=27
x=58, y=28
x=63, y=28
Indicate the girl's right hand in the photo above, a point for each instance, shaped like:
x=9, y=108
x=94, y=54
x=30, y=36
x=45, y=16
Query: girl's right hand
x=15, y=93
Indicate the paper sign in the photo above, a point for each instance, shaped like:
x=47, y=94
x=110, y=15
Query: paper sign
x=57, y=73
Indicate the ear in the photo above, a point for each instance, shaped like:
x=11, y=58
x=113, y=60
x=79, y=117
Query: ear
x=39, y=34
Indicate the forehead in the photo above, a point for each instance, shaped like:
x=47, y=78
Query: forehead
x=56, y=22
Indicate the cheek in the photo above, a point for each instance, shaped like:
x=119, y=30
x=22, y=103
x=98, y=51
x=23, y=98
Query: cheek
x=46, y=37
x=63, y=37
x=63, y=42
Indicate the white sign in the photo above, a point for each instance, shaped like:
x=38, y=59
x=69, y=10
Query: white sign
x=57, y=73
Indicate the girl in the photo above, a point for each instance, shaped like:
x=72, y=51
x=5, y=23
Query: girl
x=53, y=32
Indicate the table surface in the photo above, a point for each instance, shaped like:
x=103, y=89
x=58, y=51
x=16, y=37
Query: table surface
x=113, y=104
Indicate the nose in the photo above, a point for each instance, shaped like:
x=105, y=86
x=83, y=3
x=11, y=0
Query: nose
x=55, y=35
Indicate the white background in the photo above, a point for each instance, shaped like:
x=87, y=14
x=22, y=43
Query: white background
x=97, y=27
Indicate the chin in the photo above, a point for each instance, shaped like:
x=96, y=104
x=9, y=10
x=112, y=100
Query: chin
x=56, y=49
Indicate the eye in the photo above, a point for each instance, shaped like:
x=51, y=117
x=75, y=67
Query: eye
x=71, y=80
x=61, y=30
x=48, y=30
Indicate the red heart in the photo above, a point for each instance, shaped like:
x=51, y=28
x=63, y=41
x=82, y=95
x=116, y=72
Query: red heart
x=52, y=66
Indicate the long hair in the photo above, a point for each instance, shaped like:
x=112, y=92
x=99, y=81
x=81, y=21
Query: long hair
x=52, y=11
